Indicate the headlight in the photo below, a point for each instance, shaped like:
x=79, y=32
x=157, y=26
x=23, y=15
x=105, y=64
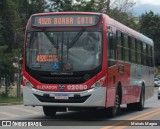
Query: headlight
x=99, y=83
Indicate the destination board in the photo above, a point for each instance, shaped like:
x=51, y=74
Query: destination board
x=64, y=20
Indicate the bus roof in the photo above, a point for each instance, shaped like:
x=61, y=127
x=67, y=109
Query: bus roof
x=46, y=13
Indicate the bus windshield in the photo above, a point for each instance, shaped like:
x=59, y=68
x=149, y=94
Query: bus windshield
x=63, y=50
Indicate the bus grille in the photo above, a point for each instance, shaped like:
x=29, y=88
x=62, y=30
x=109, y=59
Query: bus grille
x=69, y=100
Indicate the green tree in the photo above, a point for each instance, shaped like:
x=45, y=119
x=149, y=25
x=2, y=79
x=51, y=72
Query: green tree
x=150, y=26
x=120, y=10
x=60, y=5
x=1, y=30
x=6, y=69
x=87, y=6
x=9, y=21
x=14, y=15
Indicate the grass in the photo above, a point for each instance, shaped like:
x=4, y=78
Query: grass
x=11, y=98
x=12, y=92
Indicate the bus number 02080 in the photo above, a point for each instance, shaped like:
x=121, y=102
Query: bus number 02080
x=77, y=87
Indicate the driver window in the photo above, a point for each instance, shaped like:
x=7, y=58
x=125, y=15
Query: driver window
x=111, y=49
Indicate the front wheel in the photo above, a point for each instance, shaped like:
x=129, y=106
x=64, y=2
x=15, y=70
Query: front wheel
x=113, y=111
x=49, y=111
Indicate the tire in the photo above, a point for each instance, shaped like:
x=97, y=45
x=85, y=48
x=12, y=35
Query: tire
x=49, y=111
x=139, y=106
x=158, y=97
x=113, y=111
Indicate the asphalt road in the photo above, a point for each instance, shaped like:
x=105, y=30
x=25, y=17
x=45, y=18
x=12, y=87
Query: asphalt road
x=85, y=119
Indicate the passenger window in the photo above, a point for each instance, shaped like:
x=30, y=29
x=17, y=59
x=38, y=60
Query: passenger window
x=111, y=46
x=144, y=59
x=139, y=58
x=111, y=49
x=139, y=45
x=133, y=44
x=119, y=38
x=126, y=44
x=120, y=49
x=133, y=56
x=149, y=50
x=126, y=53
x=144, y=48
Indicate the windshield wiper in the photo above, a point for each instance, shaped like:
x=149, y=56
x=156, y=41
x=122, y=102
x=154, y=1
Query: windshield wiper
x=51, y=39
x=74, y=40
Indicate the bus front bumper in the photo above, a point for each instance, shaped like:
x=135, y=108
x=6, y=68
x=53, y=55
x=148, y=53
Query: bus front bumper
x=95, y=97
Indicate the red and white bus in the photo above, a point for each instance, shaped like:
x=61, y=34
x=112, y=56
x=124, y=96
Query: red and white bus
x=83, y=60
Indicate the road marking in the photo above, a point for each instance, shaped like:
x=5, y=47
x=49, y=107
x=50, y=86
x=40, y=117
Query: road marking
x=9, y=114
x=132, y=118
x=25, y=110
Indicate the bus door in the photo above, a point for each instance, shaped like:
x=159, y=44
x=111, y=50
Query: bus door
x=112, y=70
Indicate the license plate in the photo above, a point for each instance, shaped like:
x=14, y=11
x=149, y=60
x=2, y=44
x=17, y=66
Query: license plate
x=61, y=96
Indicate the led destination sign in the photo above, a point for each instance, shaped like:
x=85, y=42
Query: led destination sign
x=64, y=20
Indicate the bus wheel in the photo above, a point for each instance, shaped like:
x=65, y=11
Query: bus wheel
x=139, y=105
x=49, y=110
x=113, y=111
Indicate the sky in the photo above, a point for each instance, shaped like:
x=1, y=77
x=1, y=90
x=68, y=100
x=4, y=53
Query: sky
x=143, y=6
x=150, y=2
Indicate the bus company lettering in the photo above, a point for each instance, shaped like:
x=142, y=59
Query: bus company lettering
x=77, y=87
x=46, y=87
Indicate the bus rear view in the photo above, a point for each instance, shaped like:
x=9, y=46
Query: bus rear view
x=63, y=64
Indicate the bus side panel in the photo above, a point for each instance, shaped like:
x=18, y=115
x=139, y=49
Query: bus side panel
x=126, y=75
x=147, y=74
x=135, y=83
x=119, y=73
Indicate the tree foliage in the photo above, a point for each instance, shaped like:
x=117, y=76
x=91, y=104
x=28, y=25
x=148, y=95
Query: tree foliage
x=150, y=26
x=14, y=15
x=9, y=20
x=120, y=10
